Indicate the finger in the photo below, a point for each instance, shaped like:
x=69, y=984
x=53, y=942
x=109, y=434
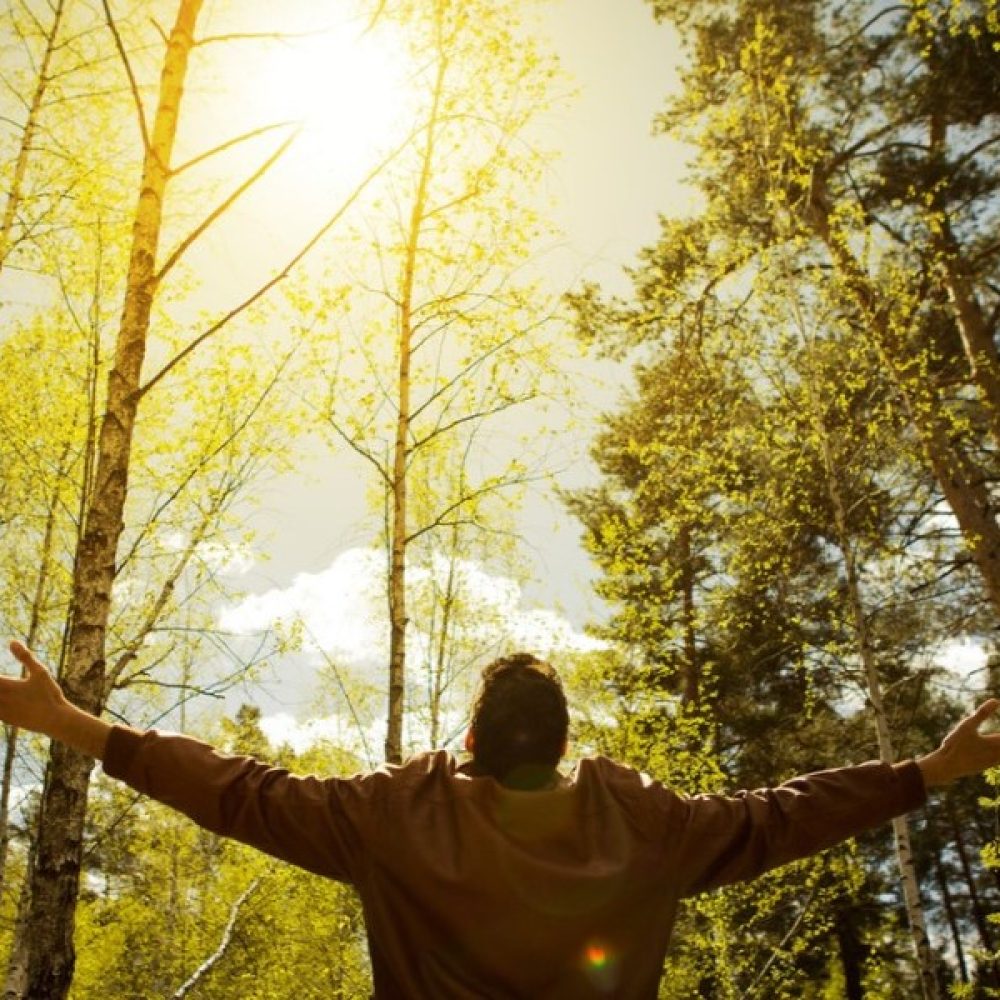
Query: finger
x=983, y=712
x=25, y=657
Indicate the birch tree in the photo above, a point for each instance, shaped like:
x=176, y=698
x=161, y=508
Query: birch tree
x=447, y=333
x=47, y=49
x=97, y=657
x=835, y=437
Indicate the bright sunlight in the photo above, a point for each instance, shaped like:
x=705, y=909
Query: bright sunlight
x=343, y=85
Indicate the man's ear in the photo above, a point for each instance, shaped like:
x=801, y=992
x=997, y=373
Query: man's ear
x=470, y=741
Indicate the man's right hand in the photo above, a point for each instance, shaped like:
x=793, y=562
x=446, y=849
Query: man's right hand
x=36, y=702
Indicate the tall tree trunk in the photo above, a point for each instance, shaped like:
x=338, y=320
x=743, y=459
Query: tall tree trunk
x=979, y=912
x=397, y=547
x=690, y=680
x=399, y=536
x=866, y=653
x=852, y=953
x=439, y=657
x=900, y=825
x=949, y=907
x=30, y=637
x=977, y=338
x=16, y=979
x=55, y=882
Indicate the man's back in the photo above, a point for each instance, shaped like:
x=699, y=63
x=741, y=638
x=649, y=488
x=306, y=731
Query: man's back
x=471, y=889
x=477, y=890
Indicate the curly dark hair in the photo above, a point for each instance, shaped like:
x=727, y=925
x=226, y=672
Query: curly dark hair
x=519, y=721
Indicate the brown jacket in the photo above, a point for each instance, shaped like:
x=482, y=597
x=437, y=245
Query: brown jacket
x=473, y=890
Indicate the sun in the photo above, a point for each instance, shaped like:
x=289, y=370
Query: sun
x=344, y=89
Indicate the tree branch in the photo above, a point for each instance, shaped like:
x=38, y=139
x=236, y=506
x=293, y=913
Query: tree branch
x=221, y=209
x=442, y=519
x=201, y=157
x=369, y=756
x=459, y=376
x=362, y=451
x=143, y=129
x=466, y=417
x=283, y=273
x=261, y=36
x=203, y=461
x=227, y=936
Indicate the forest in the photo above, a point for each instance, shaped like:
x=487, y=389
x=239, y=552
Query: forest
x=793, y=506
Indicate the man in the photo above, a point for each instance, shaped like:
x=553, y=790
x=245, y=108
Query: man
x=502, y=878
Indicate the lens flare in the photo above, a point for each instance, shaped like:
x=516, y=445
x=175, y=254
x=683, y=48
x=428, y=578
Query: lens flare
x=600, y=966
x=597, y=956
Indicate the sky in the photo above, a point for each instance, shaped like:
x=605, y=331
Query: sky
x=312, y=556
x=604, y=191
x=611, y=179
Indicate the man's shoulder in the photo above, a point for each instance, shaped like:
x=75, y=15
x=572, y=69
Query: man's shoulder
x=420, y=769
x=426, y=762
x=641, y=796
x=603, y=768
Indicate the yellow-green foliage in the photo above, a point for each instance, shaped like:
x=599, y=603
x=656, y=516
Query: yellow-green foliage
x=161, y=893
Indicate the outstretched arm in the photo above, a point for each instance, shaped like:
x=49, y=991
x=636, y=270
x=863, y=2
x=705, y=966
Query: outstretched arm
x=716, y=840
x=317, y=823
x=36, y=702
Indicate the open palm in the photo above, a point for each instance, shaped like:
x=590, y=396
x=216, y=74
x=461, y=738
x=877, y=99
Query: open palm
x=965, y=750
x=33, y=701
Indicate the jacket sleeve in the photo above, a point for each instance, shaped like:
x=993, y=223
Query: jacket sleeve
x=715, y=840
x=316, y=823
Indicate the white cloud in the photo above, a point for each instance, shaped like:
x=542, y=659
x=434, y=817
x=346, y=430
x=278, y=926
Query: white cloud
x=232, y=559
x=284, y=728
x=343, y=610
x=545, y=632
x=965, y=657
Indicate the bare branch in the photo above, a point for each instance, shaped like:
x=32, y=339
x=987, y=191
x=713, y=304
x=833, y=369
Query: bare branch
x=215, y=690
x=131, y=651
x=208, y=456
x=283, y=273
x=262, y=36
x=782, y=947
x=222, y=208
x=443, y=518
x=160, y=30
x=227, y=936
x=369, y=756
x=39, y=27
x=361, y=450
x=459, y=376
x=228, y=144
x=133, y=85
x=374, y=19
x=972, y=153
x=443, y=428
